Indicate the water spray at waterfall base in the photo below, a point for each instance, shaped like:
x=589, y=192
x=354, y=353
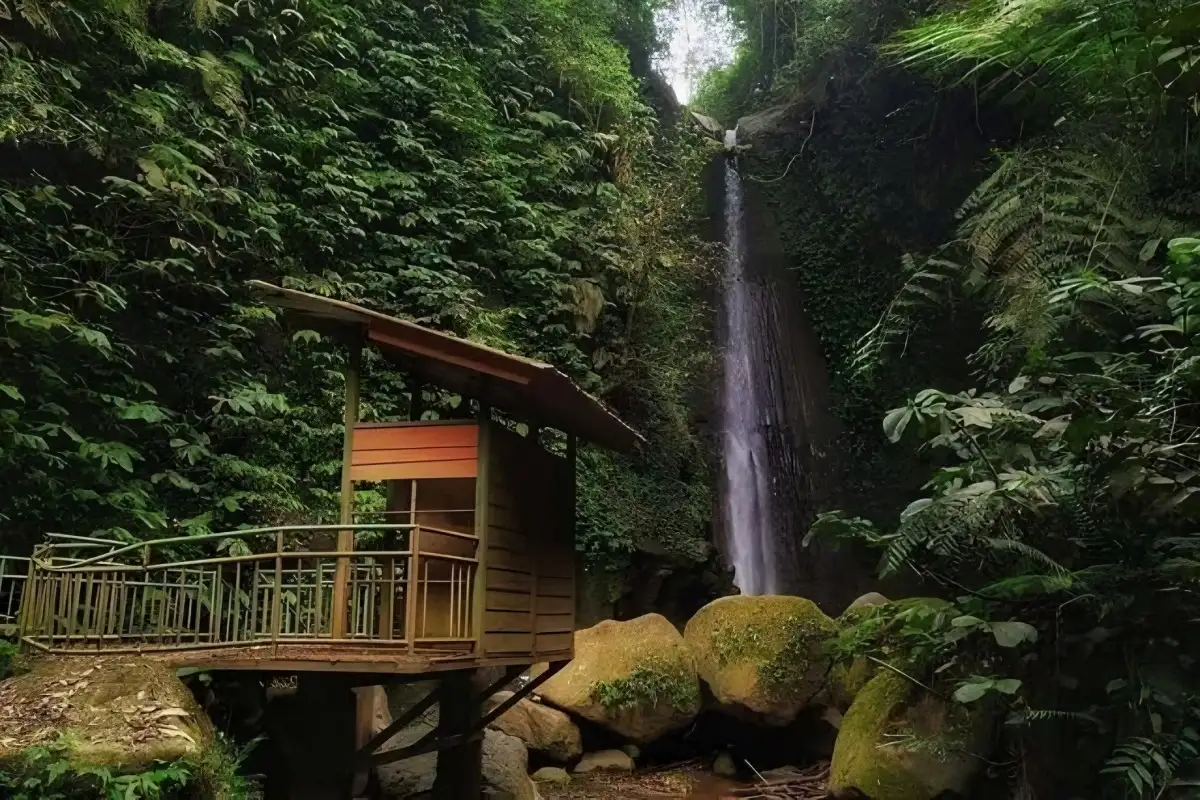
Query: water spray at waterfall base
x=746, y=497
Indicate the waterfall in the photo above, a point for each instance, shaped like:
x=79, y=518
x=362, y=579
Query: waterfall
x=747, y=400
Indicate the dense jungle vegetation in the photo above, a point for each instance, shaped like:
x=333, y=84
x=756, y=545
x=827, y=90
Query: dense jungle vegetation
x=499, y=170
x=1059, y=516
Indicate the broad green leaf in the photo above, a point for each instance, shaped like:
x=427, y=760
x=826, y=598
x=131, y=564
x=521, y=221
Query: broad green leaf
x=896, y=421
x=970, y=692
x=1011, y=634
x=1008, y=685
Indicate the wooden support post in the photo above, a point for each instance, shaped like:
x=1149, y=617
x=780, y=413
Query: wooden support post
x=367, y=700
x=482, y=514
x=459, y=766
x=345, y=540
x=573, y=489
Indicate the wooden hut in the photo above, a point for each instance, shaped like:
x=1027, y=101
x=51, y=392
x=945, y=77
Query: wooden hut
x=492, y=553
x=471, y=565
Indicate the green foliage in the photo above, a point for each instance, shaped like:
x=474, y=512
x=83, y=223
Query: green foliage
x=791, y=48
x=664, y=493
x=472, y=166
x=1125, y=54
x=647, y=686
x=1061, y=503
x=9, y=653
x=47, y=773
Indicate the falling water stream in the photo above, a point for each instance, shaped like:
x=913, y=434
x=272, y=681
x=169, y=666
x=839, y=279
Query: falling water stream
x=747, y=497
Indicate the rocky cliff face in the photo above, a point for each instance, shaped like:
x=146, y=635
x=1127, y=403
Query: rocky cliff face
x=862, y=164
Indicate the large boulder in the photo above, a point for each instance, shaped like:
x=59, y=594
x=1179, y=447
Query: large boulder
x=119, y=713
x=764, y=658
x=635, y=678
x=709, y=125
x=932, y=745
x=505, y=759
x=506, y=766
x=543, y=729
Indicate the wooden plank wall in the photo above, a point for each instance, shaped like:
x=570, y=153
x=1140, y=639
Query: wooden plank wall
x=530, y=594
x=407, y=450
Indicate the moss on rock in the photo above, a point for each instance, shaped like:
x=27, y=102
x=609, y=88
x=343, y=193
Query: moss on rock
x=764, y=658
x=120, y=713
x=636, y=678
x=932, y=744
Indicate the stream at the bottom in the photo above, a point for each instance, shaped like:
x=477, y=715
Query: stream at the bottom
x=689, y=782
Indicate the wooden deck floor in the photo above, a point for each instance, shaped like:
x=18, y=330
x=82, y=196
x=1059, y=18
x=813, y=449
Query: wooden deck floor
x=336, y=658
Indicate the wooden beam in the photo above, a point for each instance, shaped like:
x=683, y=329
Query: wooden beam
x=509, y=674
x=341, y=575
x=475, y=364
x=521, y=693
x=427, y=744
x=365, y=754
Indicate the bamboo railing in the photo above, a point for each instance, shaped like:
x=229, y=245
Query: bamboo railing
x=270, y=585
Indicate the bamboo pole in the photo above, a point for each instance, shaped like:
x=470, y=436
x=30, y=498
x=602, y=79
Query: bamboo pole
x=319, y=626
x=237, y=603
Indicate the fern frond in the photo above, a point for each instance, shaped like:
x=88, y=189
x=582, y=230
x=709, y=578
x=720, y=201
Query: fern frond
x=1028, y=552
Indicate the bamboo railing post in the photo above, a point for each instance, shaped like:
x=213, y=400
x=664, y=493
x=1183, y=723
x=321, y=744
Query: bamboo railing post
x=252, y=630
x=29, y=602
x=277, y=606
x=237, y=602
x=414, y=556
x=318, y=625
x=346, y=537
x=214, y=609
x=387, y=598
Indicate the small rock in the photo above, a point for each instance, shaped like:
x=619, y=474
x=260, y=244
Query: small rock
x=724, y=766
x=632, y=750
x=556, y=776
x=607, y=760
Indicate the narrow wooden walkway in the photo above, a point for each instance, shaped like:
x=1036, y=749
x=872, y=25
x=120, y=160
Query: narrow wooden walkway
x=270, y=603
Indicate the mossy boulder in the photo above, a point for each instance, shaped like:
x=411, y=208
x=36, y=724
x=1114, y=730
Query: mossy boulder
x=933, y=745
x=120, y=713
x=869, y=619
x=764, y=658
x=635, y=678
